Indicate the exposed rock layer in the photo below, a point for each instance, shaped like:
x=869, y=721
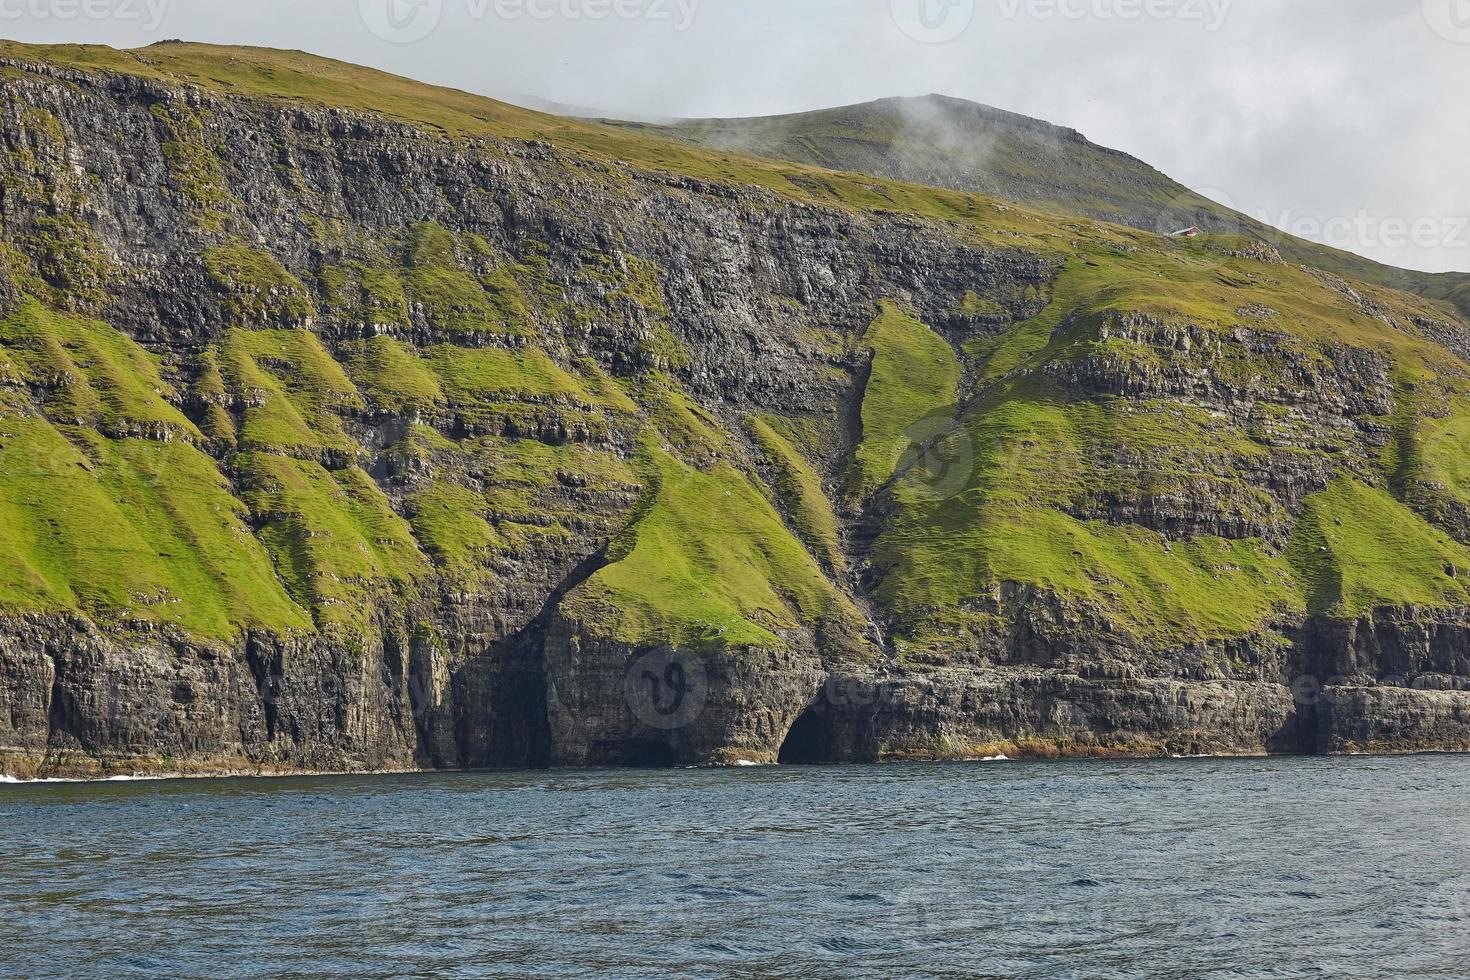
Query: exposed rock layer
x=492, y=670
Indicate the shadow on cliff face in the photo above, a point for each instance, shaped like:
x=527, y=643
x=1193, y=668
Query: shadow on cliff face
x=809, y=742
x=648, y=753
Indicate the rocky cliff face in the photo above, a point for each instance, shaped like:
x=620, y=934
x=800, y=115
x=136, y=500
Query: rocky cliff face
x=944, y=142
x=337, y=441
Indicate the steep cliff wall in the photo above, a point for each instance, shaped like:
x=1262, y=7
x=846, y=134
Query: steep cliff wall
x=334, y=437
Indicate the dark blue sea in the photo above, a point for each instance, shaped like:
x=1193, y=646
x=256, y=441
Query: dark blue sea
x=1190, y=868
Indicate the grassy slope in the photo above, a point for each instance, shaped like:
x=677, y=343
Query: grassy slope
x=328, y=538
x=1356, y=548
x=129, y=529
x=295, y=390
x=709, y=563
x=909, y=399
x=97, y=520
x=1032, y=455
x=1035, y=453
x=334, y=535
x=801, y=488
x=96, y=376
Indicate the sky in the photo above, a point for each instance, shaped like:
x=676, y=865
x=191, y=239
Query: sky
x=1344, y=121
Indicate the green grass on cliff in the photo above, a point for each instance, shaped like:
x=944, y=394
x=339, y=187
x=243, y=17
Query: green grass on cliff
x=1357, y=549
x=449, y=520
x=709, y=563
x=362, y=293
x=911, y=390
x=118, y=527
x=95, y=375
x=453, y=299
x=1026, y=489
x=801, y=488
x=490, y=375
x=293, y=390
x=391, y=377
x=956, y=538
x=943, y=574
x=526, y=494
x=257, y=289
x=131, y=530
x=1039, y=453
x=334, y=536
x=686, y=425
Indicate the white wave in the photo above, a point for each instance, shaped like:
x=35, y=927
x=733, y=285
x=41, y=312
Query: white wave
x=16, y=781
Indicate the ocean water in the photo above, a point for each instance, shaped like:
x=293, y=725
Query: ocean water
x=1189, y=868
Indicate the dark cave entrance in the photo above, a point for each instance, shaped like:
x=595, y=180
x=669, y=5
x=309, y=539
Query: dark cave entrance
x=809, y=743
x=648, y=754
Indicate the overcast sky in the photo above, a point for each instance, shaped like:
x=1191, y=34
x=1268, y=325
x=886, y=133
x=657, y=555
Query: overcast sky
x=1347, y=121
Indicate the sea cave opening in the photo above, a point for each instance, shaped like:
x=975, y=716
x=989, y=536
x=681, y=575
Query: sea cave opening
x=808, y=743
x=648, y=754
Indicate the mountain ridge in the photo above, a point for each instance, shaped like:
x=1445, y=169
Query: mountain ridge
x=954, y=143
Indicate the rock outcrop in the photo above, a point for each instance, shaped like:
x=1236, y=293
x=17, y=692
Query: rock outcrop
x=331, y=441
